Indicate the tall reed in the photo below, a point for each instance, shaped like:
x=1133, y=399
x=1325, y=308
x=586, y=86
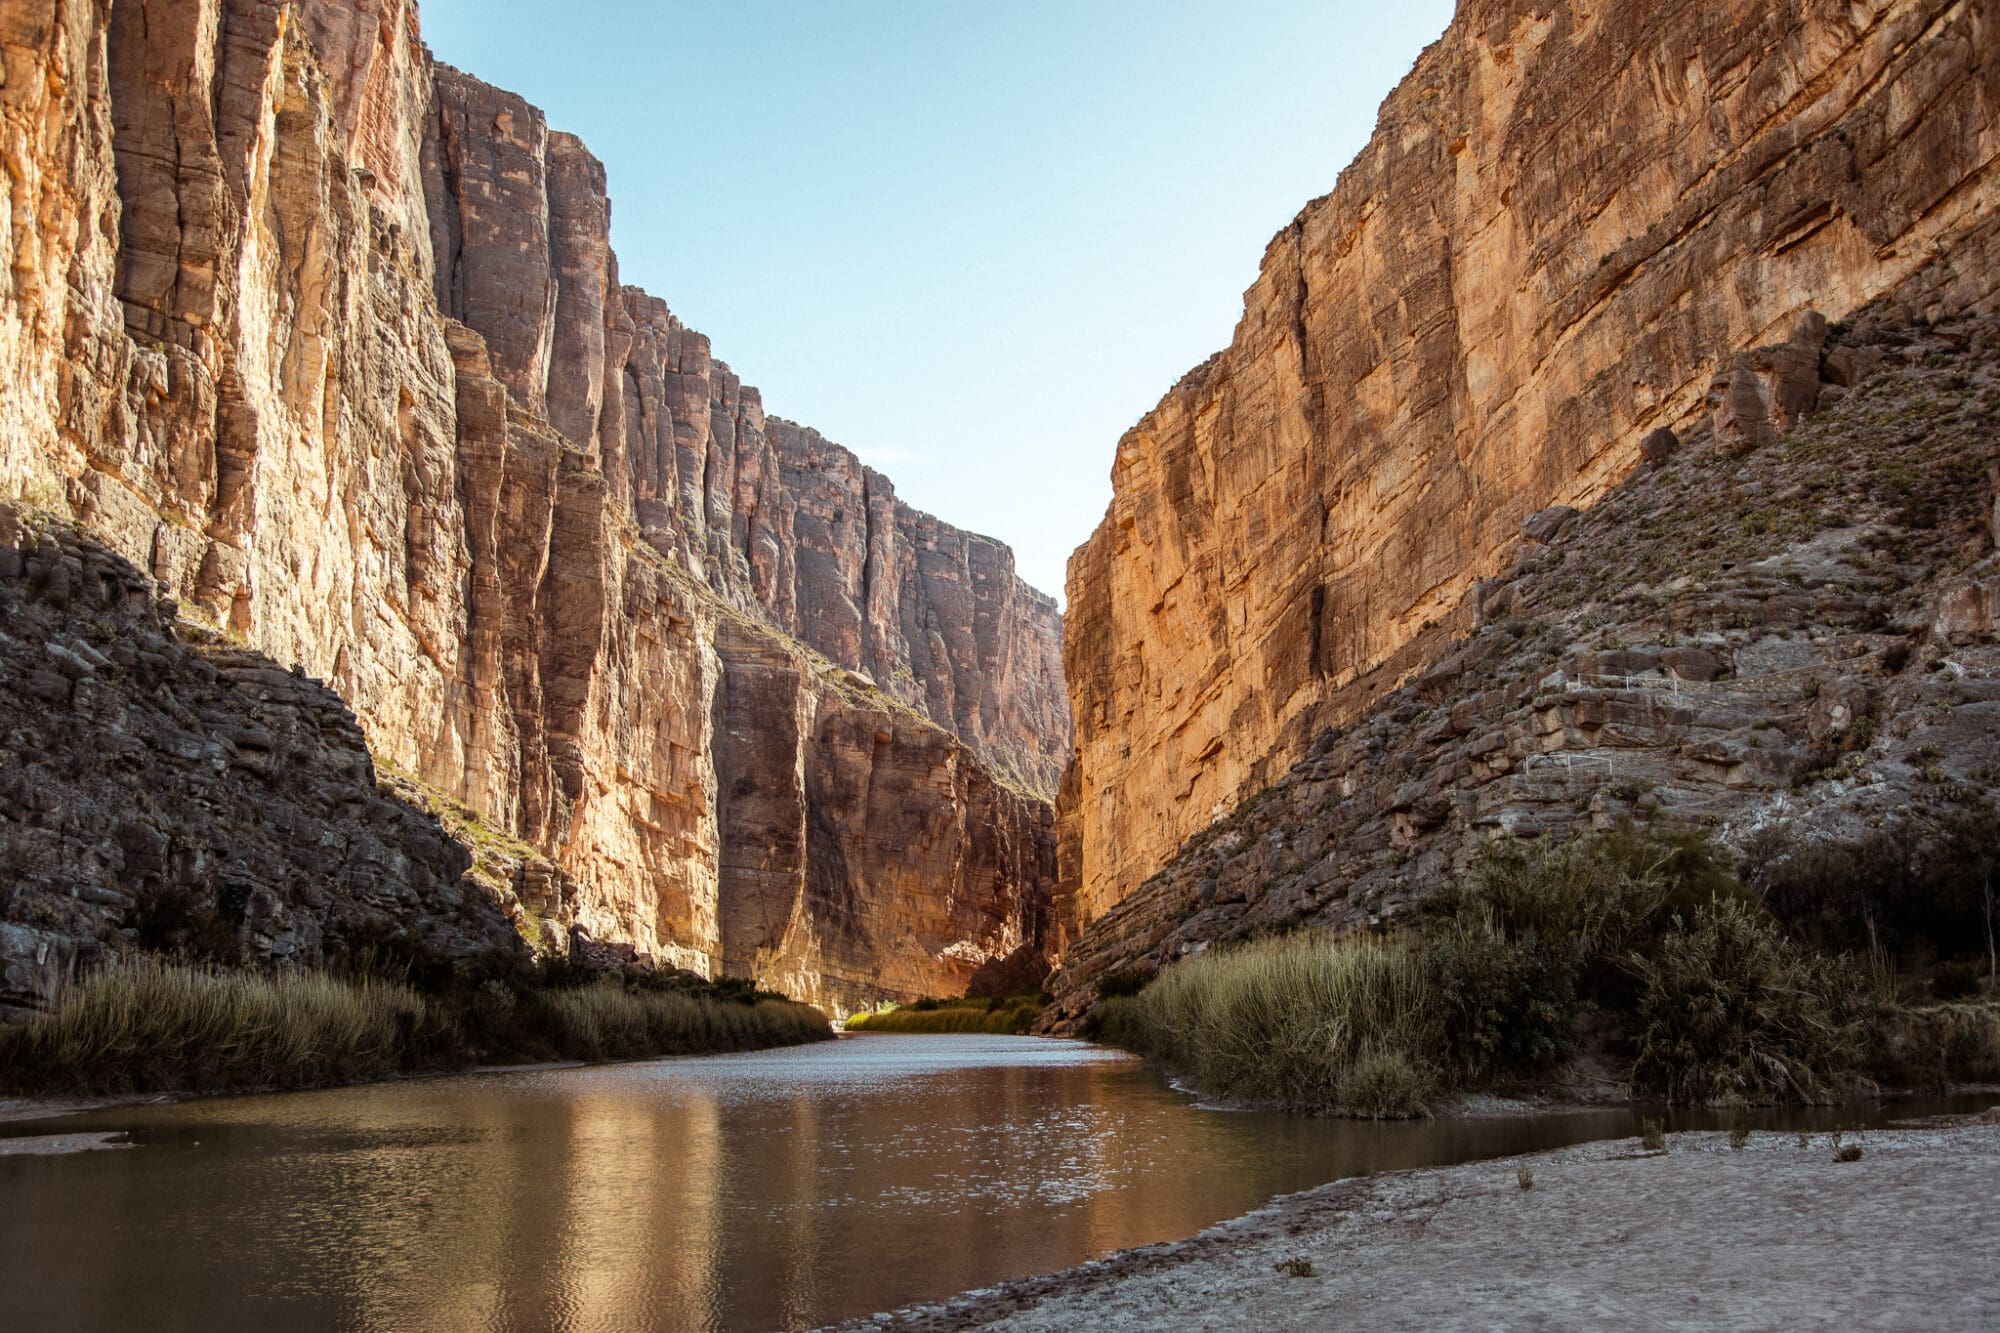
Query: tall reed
x=1309, y=1021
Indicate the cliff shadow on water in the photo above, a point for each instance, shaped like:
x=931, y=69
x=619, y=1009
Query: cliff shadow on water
x=207, y=887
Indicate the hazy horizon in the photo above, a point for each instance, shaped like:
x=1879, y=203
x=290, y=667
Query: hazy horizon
x=973, y=244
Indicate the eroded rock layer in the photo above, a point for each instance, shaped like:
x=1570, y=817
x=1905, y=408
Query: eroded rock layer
x=329, y=340
x=1570, y=216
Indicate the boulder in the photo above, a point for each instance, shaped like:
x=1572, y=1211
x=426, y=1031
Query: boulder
x=1659, y=446
x=1544, y=527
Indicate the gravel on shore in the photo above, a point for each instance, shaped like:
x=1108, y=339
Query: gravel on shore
x=1776, y=1234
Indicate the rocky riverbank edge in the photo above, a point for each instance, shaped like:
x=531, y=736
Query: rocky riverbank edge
x=1785, y=1230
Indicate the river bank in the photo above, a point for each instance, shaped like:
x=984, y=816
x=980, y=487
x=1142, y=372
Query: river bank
x=1700, y=1236
x=146, y=1026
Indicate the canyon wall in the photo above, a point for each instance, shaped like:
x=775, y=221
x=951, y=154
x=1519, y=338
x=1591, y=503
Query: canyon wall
x=330, y=340
x=1779, y=631
x=771, y=515
x=1571, y=215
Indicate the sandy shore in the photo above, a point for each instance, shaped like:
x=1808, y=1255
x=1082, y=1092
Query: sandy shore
x=1701, y=1236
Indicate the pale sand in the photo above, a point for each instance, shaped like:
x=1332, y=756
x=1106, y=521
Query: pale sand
x=1775, y=1236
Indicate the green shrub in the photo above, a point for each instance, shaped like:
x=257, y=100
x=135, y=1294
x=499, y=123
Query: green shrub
x=1125, y=982
x=1730, y=1011
x=1939, y=1045
x=1956, y=981
x=1651, y=929
x=609, y=1021
x=1915, y=890
x=1507, y=1006
x=1117, y=1022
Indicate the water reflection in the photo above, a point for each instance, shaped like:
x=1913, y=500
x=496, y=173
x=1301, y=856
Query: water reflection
x=772, y=1190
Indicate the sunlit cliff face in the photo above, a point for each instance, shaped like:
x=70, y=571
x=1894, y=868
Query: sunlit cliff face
x=1568, y=214
x=329, y=340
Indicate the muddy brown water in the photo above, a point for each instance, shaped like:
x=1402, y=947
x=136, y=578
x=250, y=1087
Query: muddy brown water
x=773, y=1190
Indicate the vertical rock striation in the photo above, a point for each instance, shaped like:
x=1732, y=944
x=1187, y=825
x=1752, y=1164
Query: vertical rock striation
x=1570, y=217
x=774, y=517
x=331, y=340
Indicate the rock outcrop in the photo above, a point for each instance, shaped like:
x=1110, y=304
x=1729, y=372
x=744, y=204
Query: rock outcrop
x=1570, y=216
x=329, y=340
x=1790, y=642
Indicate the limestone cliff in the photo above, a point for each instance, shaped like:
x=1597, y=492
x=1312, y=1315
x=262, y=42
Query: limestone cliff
x=329, y=339
x=1570, y=217
x=1781, y=630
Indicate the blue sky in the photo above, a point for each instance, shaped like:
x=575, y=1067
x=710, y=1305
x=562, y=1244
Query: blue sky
x=973, y=242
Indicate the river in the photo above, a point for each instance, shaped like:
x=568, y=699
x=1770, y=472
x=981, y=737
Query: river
x=778, y=1189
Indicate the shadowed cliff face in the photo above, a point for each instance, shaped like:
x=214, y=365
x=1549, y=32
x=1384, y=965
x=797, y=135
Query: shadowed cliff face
x=1570, y=216
x=330, y=341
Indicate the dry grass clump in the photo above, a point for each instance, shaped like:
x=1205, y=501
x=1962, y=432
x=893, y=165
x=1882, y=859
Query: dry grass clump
x=147, y=1026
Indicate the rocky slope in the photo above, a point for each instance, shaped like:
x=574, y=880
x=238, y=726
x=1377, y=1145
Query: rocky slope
x=1782, y=627
x=1570, y=215
x=168, y=789
x=329, y=340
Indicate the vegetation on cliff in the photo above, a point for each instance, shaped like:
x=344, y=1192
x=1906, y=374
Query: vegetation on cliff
x=152, y=1026
x=1711, y=989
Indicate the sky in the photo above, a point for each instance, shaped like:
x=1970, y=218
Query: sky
x=972, y=241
